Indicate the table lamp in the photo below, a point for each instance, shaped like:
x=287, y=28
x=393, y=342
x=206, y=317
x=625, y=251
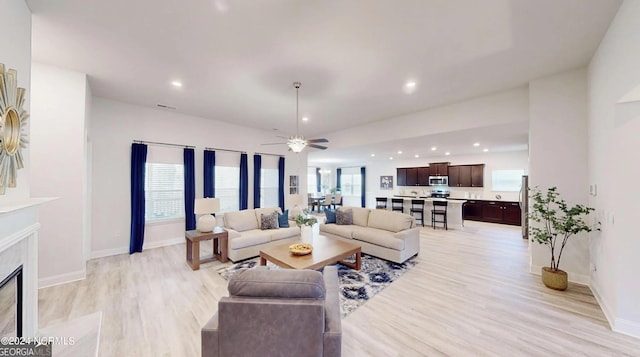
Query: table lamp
x=295, y=201
x=205, y=207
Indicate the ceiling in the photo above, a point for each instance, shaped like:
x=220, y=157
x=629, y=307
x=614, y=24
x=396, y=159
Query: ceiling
x=237, y=59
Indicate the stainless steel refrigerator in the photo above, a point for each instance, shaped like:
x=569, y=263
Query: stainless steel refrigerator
x=524, y=206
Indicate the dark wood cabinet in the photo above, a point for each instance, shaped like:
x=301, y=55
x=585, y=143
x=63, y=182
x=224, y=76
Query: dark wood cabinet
x=401, y=177
x=472, y=210
x=477, y=175
x=439, y=169
x=511, y=213
x=412, y=176
x=461, y=176
x=492, y=211
x=423, y=176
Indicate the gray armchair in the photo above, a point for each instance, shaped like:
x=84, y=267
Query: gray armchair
x=277, y=313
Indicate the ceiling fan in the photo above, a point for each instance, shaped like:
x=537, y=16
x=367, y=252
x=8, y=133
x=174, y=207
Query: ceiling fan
x=297, y=142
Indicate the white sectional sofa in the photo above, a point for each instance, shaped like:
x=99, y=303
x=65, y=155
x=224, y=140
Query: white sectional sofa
x=246, y=238
x=389, y=235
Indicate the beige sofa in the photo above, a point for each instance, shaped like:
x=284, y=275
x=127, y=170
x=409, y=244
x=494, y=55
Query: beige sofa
x=246, y=239
x=388, y=235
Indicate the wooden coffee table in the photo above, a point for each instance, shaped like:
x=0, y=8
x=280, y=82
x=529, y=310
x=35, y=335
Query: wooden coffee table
x=326, y=251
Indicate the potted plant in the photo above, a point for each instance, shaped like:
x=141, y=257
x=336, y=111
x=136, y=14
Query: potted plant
x=557, y=223
x=305, y=222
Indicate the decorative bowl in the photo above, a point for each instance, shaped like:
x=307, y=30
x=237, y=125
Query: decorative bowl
x=300, y=248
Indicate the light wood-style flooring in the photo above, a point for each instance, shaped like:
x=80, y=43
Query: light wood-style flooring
x=469, y=295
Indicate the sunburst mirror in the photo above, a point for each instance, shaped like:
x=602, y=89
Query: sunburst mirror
x=13, y=120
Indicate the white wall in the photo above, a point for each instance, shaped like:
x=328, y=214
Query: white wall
x=501, y=108
x=613, y=165
x=558, y=157
x=16, y=54
x=115, y=125
x=58, y=155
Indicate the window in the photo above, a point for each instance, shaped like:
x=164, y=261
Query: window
x=164, y=191
x=506, y=180
x=228, y=187
x=351, y=186
x=312, y=179
x=269, y=188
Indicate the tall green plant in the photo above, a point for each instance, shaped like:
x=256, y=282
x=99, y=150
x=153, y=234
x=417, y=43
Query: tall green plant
x=558, y=221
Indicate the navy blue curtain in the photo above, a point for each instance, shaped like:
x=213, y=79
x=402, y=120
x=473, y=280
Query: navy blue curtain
x=244, y=182
x=189, y=188
x=138, y=163
x=257, y=173
x=281, y=183
x=338, y=179
x=209, y=173
x=363, y=177
x=318, y=180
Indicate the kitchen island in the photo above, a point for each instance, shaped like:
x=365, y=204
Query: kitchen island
x=454, y=209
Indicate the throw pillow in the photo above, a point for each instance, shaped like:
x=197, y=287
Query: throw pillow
x=269, y=221
x=344, y=217
x=283, y=219
x=331, y=215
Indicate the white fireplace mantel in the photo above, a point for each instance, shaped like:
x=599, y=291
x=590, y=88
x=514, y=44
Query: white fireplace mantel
x=19, y=246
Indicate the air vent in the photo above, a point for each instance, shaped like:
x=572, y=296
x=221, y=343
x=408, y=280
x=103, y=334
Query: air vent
x=163, y=106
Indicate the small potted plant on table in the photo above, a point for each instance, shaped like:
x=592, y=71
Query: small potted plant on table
x=305, y=221
x=557, y=223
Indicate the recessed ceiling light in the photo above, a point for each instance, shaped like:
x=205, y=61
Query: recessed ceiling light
x=305, y=118
x=176, y=84
x=476, y=144
x=433, y=148
x=391, y=158
x=416, y=156
x=373, y=155
x=399, y=152
x=410, y=84
x=447, y=153
x=485, y=150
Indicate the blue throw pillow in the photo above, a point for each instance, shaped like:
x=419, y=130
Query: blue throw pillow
x=283, y=219
x=331, y=215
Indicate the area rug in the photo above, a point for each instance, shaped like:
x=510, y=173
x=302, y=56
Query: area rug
x=356, y=287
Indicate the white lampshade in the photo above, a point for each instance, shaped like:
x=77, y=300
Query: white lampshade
x=295, y=200
x=206, y=206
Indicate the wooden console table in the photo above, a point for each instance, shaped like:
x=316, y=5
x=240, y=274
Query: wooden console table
x=193, y=238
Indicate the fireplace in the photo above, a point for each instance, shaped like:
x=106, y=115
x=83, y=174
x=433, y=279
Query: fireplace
x=11, y=308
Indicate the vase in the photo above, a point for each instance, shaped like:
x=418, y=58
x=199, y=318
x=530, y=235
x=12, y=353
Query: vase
x=554, y=279
x=306, y=234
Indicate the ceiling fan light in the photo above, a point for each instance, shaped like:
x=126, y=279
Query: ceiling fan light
x=296, y=143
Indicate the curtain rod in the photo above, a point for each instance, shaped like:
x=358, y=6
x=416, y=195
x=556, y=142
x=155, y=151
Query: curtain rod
x=214, y=149
x=163, y=144
x=264, y=153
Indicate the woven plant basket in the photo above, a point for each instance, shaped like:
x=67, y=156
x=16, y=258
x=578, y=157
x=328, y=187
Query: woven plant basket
x=557, y=280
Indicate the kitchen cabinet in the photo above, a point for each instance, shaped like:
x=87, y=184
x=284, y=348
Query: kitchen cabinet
x=492, y=211
x=401, y=177
x=439, y=169
x=477, y=175
x=412, y=176
x=472, y=210
x=463, y=175
x=423, y=176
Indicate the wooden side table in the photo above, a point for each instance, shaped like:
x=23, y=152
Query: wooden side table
x=193, y=238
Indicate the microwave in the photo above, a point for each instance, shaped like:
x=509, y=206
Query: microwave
x=438, y=180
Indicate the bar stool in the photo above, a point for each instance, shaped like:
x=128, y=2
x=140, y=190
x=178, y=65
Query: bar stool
x=397, y=204
x=417, y=206
x=439, y=211
x=381, y=202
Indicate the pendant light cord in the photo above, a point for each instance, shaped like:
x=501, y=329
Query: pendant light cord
x=297, y=85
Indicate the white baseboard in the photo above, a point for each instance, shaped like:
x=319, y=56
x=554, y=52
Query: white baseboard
x=163, y=243
x=606, y=309
x=573, y=277
x=62, y=279
x=125, y=250
x=108, y=252
x=627, y=327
